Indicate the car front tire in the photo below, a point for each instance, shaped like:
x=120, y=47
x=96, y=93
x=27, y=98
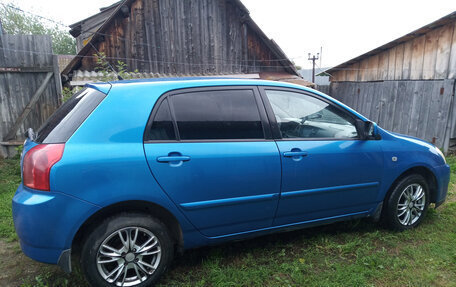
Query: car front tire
x=129, y=249
x=407, y=204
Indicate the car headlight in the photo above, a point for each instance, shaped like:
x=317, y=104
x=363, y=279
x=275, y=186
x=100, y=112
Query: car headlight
x=440, y=153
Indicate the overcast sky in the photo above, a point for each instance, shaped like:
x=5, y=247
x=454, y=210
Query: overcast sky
x=344, y=29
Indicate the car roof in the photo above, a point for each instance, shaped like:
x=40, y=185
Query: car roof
x=175, y=83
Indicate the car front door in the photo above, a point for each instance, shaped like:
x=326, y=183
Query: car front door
x=327, y=171
x=212, y=152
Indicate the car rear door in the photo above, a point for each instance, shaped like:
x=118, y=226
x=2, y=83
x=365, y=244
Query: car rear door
x=327, y=171
x=212, y=152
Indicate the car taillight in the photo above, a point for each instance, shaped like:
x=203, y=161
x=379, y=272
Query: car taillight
x=37, y=165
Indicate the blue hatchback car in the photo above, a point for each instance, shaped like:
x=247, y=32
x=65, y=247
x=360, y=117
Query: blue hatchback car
x=125, y=174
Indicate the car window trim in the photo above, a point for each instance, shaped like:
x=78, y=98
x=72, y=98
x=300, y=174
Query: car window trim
x=267, y=134
x=273, y=122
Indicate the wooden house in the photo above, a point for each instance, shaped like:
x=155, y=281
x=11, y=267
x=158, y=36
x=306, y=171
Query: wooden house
x=160, y=38
x=406, y=85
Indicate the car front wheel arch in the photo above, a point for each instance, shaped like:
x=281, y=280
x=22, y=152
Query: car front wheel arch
x=424, y=172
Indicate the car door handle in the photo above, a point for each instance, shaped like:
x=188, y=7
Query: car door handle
x=295, y=153
x=175, y=158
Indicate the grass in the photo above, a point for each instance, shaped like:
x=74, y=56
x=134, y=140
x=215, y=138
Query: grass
x=354, y=253
x=10, y=177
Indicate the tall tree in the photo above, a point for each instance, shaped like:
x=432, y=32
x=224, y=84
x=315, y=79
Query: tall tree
x=14, y=21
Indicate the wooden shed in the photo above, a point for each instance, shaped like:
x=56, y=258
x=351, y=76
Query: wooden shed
x=179, y=38
x=406, y=85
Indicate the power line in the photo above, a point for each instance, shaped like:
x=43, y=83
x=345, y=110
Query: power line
x=144, y=61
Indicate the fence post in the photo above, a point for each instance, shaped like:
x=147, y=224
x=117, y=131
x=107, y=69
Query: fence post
x=57, y=79
x=451, y=119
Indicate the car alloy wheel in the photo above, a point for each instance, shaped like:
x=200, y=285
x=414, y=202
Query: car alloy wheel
x=411, y=204
x=128, y=256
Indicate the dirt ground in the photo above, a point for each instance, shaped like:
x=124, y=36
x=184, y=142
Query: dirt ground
x=16, y=268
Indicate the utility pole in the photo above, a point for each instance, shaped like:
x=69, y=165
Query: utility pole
x=313, y=58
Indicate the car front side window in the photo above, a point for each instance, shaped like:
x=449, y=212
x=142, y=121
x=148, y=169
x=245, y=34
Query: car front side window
x=302, y=116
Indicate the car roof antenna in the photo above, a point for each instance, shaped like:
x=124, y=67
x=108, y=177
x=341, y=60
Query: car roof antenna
x=99, y=55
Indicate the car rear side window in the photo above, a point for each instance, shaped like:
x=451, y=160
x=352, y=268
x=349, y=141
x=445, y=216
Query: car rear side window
x=218, y=114
x=67, y=119
x=162, y=127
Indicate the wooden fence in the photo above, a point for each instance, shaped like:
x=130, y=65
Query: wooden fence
x=30, y=86
x=423, y=109
x=323, y=88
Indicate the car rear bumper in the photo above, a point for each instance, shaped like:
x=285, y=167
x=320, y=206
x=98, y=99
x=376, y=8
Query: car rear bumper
x=443, y=179
x=46, y=222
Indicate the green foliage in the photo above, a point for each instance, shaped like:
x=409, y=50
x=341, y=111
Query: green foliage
x=10, y=177
x=46, y=279
x=19, y=150
x=106, y=69
x=451, y=160
x=67, y=93
x=17, y=22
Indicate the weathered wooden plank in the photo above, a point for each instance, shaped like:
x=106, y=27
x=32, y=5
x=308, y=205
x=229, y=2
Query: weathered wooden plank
x=415, y=107
x=399, y=62
x=430, y=54
x=372, y=67
x=446, y=116
x=407, y=61
x=26, y=69
x=452, y=62
x=451, y=123
x=363, y=70
x=388, y=108
x=57, y=82
x=425, y=110
x=367, y=98
x=400, y=99
x=432, y=128
x=444, y=110
x=383, y=62
x=391, y=63
x=361, y=91
x=381, y=102
x=12, y=132
x=372, y=109
x=416, y=66
x=443, y=52
x=352, y=72
x=2, y=53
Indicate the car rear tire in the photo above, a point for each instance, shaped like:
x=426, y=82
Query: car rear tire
x=130, y=249
x=407, y=204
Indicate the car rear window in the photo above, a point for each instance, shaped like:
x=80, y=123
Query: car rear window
x=64, y=122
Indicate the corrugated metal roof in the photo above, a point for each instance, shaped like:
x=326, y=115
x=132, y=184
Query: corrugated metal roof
x=415, y=34
x=80, y=78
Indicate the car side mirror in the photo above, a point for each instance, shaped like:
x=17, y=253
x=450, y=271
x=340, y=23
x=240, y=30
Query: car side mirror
x=367, y=130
